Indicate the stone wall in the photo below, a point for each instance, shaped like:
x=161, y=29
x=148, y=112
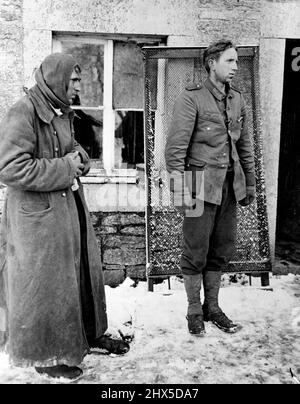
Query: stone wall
x=122, y=241
x=183, y=23
x=11, y=52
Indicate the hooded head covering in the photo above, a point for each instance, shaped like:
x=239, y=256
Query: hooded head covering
x=53, y=77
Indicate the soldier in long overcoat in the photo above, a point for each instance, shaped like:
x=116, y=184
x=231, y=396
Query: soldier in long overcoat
x=52, y=297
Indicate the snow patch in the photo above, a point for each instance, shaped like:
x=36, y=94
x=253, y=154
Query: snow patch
x=162, y=351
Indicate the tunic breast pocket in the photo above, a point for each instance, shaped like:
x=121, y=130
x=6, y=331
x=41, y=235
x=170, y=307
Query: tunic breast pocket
x=209, y=117
x=208, y=126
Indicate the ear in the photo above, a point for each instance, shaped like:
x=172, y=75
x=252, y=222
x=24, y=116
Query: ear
x=211, y=64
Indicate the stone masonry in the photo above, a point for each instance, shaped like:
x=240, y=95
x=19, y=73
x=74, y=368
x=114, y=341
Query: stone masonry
x=121, y=238
x=11, y=52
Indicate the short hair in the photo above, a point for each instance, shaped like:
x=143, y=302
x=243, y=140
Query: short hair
x=215, y=50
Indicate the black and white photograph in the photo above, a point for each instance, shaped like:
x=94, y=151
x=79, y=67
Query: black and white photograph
x=149, y=194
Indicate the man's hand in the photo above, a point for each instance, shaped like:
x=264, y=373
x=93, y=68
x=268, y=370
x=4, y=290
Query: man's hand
x=76, y=162
x=180, y=192
x=250, y=191
x=183, y=200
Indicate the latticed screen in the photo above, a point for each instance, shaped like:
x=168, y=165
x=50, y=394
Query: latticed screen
x=167, y=72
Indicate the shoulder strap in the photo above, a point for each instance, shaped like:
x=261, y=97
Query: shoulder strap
x=193, y=87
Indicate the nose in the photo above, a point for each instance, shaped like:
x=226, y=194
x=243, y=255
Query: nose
x=235, y=66
x=77, y=86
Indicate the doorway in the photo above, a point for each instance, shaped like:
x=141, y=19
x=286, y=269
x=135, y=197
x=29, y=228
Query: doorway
x=288, y=207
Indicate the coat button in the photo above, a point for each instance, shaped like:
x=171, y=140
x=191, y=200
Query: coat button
x=56, y=149
x=224, y=154
x=63, y=194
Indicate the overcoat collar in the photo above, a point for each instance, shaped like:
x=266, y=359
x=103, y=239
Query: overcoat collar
x=42, y=106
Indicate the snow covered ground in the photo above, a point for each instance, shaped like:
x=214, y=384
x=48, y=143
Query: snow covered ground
x=163, y=351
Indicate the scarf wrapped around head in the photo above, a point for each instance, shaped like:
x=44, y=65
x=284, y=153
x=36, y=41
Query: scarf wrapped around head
x=53, y=77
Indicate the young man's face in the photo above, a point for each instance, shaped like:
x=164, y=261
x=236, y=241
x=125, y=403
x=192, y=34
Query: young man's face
x=226, y=67
x=74, y=86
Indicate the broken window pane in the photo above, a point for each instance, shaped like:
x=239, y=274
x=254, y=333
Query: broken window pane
x=128, y=76
x=88, y=128
x=90, y=58
x=129, y=139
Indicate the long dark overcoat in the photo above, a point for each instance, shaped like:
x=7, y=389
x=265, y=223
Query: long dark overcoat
x=40, y=239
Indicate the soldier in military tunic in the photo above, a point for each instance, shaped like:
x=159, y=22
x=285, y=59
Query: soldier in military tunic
x=208, y=134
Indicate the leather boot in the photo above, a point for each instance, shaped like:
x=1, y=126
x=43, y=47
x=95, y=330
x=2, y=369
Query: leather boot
x=194, y=316
x=211, y=309
x=111, y=345
x=211, y=285
x=69, y=372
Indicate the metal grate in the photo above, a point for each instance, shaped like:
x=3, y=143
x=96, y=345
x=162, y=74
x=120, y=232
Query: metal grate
x=167, y=72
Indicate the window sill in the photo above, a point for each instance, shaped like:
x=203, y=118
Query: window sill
x=114, y=176
x=116, y=191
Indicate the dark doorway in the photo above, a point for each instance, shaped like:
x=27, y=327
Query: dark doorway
x=288, y=209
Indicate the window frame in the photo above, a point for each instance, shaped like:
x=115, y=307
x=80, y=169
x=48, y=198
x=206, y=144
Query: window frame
x=108, y=136
x=107, y=108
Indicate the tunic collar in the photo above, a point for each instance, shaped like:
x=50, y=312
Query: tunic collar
x=216, y=92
